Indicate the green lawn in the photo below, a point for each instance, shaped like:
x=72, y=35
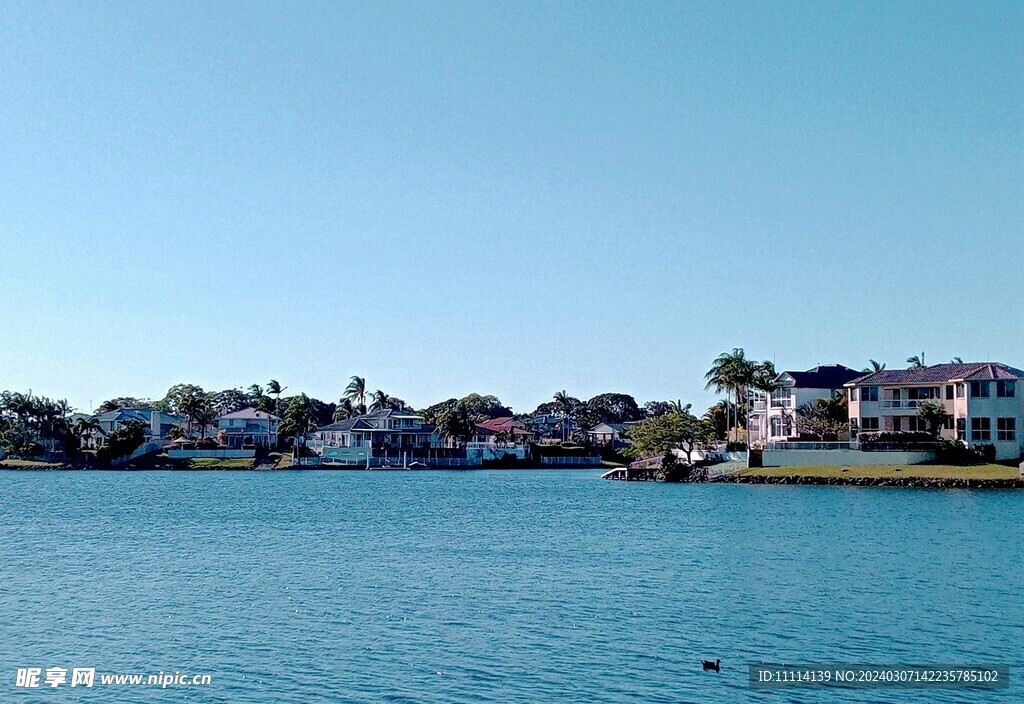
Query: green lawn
x=29, y=464
x=929, y=471
x=214, y=463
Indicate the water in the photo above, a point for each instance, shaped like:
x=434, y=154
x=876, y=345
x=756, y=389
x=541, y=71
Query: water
x=495, y=586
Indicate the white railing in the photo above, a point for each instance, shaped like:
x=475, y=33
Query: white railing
x=812, y=445
x=901, y=403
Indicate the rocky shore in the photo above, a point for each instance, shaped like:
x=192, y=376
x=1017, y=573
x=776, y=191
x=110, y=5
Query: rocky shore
x=924, y=482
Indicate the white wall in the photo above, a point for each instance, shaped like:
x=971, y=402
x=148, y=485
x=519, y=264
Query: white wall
x=210, y=454
x=810, y=458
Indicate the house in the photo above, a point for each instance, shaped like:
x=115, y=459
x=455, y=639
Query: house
x=551, y=427
x=384, y=434
x=248, y=427
x=514, y=429
x=773, y=417
x=984, y=401
x=484, y=445
x=608, y=434
x=157, y=423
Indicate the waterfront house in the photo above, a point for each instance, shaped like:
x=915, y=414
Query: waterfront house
x=248, y=427
x=608, y=434
x=157, y=424
x=386, y=434
x=550, y=427
x=514, y=429
x=484, y=445
x=984, y=401
x=773, y=416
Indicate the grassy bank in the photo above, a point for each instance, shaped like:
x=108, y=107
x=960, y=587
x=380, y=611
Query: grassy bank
x=905, y=471
x=30, y=464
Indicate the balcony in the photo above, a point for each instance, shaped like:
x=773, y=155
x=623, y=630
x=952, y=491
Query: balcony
x=901, y=403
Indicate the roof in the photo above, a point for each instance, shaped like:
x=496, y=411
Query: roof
x=361, y=424
x=391, y=413
x=823, y=376
x=143, y=415
x=507, y=424
x=938, y=373
x=600, y=427
x=249, y=414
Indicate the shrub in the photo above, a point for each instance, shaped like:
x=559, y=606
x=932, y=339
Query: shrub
x=955, y=452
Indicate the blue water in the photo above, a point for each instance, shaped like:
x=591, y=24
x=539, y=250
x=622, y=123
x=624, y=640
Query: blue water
x=495, y=586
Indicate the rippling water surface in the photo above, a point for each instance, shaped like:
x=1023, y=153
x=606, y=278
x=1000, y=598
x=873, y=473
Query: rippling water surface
x=495, y=586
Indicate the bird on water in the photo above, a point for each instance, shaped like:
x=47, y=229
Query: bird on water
x=708, y=665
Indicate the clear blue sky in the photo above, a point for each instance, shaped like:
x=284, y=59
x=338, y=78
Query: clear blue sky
x=507, y=198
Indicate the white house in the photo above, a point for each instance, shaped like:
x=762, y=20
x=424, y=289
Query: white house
x=387, y=433
x=984, y=401
x=249, y=427
x=773, y=418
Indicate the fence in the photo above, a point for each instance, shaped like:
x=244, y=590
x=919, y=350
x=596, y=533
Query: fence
x=210, y=454
x=572, y=461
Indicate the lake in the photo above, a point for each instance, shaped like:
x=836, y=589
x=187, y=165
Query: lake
x=495, y=586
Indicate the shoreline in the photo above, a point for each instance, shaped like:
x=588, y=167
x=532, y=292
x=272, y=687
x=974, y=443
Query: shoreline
x=915, y=482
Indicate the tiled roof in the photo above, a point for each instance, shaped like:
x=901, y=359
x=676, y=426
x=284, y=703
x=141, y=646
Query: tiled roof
x=250, y=414
x=938, y=373
x=508, y=424
x=824, y=376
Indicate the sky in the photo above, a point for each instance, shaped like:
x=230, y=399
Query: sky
x=502, y=197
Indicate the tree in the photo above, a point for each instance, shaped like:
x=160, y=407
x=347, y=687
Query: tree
x=731, y=373
x=230, y=400
x=275, y=389
x=957, y=360
x=917, y=361
x=874, y=366
x=197, y=408
x=123, y=441
x=657, y=408
x=658, y=435
x=380, y=401
x=345, y=410
x=300, y=417
x=456, y=424
x=356, y=390
x=824, y=416
x=124, y=402
x=172, y=400
x=933, y=412
x=612, y=408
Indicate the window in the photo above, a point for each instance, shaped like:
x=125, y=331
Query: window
x=853, y=394
x=892, y=394
x=981, y=429
x=923, y=392
x=979, y=389
x=959, y=390
x=869, y=393
x=1007, y=429
x=1006, y=389
x=897, y=423
x=869, y=423
x=961, y=428
x=947, y=423
x=918, y=424
x=949, y=392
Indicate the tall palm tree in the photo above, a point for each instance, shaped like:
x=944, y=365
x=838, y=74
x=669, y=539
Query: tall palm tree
x=356, y=390
x=379, y=401
x=874, y=366
x=957, y=360
x=678, y=406
x=274, y=387
x=732, y=373
x=564, y=403
x=917, y=361
x=344, y=411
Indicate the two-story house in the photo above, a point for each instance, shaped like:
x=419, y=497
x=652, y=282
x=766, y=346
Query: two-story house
x=157, y=424
x=249, y=427
x=773, y=417
x=388, y=433
x=984, y=401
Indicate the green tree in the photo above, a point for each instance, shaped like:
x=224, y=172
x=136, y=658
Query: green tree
x=456, y=424
x=658, y=435
x=933, y=412
x=874, y=366
x=917, y=361
x=356, y=390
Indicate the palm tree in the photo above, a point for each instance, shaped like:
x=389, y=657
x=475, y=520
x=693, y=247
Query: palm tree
x=678, y=406
x=564, y=403
x=764, y=380
x=731, y=373
x=274, y=387
x=344, y=411
x=379, y=401
x=957, y=360
x=875, y=366
x=917, y=361
x=356, y=390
